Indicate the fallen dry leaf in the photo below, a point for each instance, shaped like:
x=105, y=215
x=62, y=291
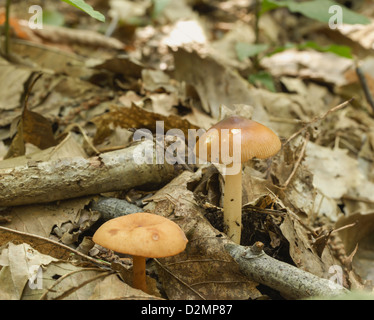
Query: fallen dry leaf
x=138, y=118
x=215, y=83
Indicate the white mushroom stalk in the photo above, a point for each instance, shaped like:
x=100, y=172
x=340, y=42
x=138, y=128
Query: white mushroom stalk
x=232, y=206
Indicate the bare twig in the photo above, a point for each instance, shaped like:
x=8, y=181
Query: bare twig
x=64, y=294
x=344, y=227
x=318, y=118
x=365, y=87
x=29, y=89
x=86, y=138
x=285, y=185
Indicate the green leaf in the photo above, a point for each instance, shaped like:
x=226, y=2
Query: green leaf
x=158, y=7
x=263, y=78
x=319, y=10
x=287, y=46
x=342, y=51
x=53, y=18
x=267, y=5
x=246, y=50
x=80, y=4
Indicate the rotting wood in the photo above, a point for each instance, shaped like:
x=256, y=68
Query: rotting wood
x=42, y=182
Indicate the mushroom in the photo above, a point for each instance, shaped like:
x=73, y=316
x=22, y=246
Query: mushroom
x=141, y=235
x=246, y=139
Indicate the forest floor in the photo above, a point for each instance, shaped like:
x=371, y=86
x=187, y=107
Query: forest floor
x=75, y=93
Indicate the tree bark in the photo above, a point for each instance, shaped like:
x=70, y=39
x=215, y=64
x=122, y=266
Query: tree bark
x=41, y=182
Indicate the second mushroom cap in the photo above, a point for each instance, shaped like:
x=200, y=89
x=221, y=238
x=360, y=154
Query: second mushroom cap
x=142, y=234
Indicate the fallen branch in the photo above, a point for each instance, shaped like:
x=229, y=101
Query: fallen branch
x=290, y=281
x=40, y=182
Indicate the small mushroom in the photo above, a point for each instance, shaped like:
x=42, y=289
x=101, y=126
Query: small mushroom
x=142, y=235
x=246, y=139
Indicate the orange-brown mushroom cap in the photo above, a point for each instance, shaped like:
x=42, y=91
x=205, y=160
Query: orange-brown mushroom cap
x=142, y=234
x=257, y=140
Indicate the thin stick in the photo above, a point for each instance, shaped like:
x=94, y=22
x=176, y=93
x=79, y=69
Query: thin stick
x=7, y=29
x=344, y=227
x=365, y=87
x=318, y=118
x=29, y=89
x=285, y=185
x=82, y=131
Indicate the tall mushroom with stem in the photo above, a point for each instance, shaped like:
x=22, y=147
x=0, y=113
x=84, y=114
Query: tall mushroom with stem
x=142, y=235
x=231, y=142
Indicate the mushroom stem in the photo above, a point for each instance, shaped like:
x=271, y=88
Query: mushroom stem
x=232, y=206
x=139, y=281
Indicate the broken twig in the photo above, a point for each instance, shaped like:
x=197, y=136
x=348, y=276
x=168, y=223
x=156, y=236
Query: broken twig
x=290, y=281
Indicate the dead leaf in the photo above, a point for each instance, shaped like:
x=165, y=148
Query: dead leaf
x=135, y=117
x=40, y=219
x=340, y=175
x=67, y=148
x=308, y=64
x=301, y=250
x=359, y=33
x=19, y=264
x=215, y=83
x=15, y=77
x=43, y=245
x=112, y=288
x=360, y=234
x=27, y=274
